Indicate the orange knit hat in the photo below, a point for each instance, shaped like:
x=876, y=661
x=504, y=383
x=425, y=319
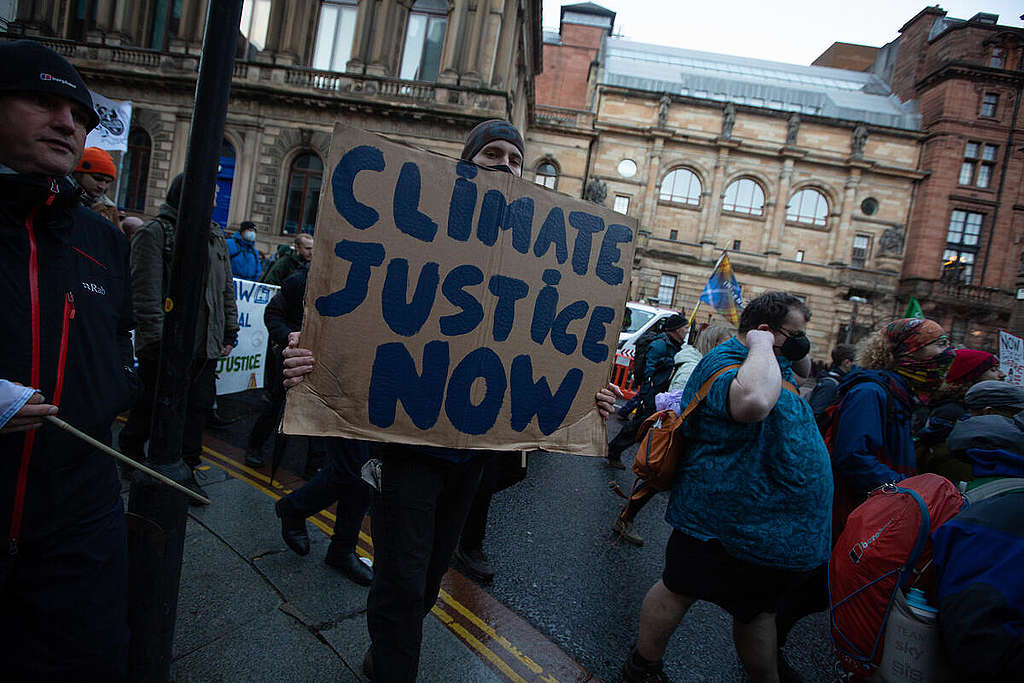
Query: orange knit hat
x=95, y=160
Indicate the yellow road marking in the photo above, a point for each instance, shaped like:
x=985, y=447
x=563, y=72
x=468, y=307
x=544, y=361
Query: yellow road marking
x=491, y=633
x=458, y=629
x=468, y=637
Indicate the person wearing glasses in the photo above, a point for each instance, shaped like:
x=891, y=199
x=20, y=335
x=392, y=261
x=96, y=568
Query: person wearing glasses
x=751, y=504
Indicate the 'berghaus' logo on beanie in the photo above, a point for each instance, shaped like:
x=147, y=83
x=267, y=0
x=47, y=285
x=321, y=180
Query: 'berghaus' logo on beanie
x=51, y=77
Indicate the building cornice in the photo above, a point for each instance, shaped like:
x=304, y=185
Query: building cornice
x=969, y=72
x=851, y=124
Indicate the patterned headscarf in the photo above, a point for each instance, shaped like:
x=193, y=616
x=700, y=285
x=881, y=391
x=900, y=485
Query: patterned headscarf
x=489, y=131
x=907, y=335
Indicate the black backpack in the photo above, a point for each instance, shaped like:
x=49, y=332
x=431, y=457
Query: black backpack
x=643, y=343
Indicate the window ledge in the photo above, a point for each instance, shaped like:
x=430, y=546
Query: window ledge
x=679, y=205
x=751, y=216
x=807, y=226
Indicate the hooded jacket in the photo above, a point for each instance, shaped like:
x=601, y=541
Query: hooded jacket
x=984, y=446
x=245, y=260
x=873, y=443
x=152, y=254
x=685, y=361
x=67, y=322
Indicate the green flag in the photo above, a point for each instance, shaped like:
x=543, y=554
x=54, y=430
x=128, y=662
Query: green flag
x=913, y=309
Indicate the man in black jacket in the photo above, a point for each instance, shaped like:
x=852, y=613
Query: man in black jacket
x=66, y=321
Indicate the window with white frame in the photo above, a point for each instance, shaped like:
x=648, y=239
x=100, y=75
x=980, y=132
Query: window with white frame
x=861, y=251
x=744, y=196
x=809, y=207
x=681, y=186
x=998, y=58
x=334, y=35
x=978, y=164
x=989, y=105
x=547, y=175
x=799, y=255
x=963, y=239
x=255, y=19
x=621, y=204
x=667, y=289
x=424, y=38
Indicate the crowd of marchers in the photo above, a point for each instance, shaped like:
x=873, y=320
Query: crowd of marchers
x=771, y=464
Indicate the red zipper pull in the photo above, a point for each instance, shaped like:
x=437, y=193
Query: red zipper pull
x=54, y=189
x=69, y=298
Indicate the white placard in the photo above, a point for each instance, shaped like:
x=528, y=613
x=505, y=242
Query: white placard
x=244, y=368
x=1011, y=357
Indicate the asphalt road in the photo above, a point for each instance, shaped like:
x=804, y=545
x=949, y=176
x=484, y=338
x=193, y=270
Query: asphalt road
x=560, y=568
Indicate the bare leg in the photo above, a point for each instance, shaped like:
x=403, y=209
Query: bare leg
x=659, y=616
x=756, y=646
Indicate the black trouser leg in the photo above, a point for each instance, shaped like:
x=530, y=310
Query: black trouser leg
x=201, y=393
x=266, y=422
x=338, y=480
x=63, y=608
x=809, y=597
x=475, y=528
x=417, y=518
x=135, y=433
x=624, y=439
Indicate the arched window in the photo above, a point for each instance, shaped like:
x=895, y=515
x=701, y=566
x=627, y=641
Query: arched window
x=808, y=206
x=681, y=186
x=744, y=196
x=304, y=179
x=424, y=38
x=135, y=171
x=547, y=175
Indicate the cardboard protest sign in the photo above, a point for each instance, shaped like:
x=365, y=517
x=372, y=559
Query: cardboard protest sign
x=244, y=368
x=451, y=305
x=1011, y=357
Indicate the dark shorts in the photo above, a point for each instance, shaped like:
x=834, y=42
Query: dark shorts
x=705, y=571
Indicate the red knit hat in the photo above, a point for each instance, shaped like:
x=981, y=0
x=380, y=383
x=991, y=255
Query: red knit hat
x=95, y=160
x=969, y=366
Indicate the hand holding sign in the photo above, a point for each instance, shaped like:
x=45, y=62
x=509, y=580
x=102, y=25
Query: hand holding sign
x=297, y=362
x=475, y=314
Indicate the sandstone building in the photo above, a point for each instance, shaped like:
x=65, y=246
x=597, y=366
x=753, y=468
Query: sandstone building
x=966, y=231
x=805, y=174
x=421, y=71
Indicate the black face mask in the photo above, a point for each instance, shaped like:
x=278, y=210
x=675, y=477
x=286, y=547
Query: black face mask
x=795, y=347
x=502, y=167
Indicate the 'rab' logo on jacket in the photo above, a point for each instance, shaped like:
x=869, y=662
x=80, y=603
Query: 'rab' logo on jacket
x=94, y=288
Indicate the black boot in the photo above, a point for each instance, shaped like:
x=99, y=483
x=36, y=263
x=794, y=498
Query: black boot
x=293, y=528
x=349, y=564
x=253, y=457
x=475, y=563
x=639, y=670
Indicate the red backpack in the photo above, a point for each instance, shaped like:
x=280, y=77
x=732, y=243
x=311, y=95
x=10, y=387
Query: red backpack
x=885, y=547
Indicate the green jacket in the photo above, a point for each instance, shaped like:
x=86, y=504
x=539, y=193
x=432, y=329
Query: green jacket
x=152, y=254
x=283, y=267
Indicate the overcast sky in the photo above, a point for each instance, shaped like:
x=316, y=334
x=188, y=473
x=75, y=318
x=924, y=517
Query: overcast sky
x=794, y=31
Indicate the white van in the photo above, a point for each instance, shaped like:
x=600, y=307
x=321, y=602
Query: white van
x=642, y=317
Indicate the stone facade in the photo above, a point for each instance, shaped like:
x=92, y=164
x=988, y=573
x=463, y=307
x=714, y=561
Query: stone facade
x=720, y=144
x=967, y=80
x=280, y=106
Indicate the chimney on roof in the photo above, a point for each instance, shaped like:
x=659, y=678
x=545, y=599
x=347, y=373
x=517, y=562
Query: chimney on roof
x=588, y=14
